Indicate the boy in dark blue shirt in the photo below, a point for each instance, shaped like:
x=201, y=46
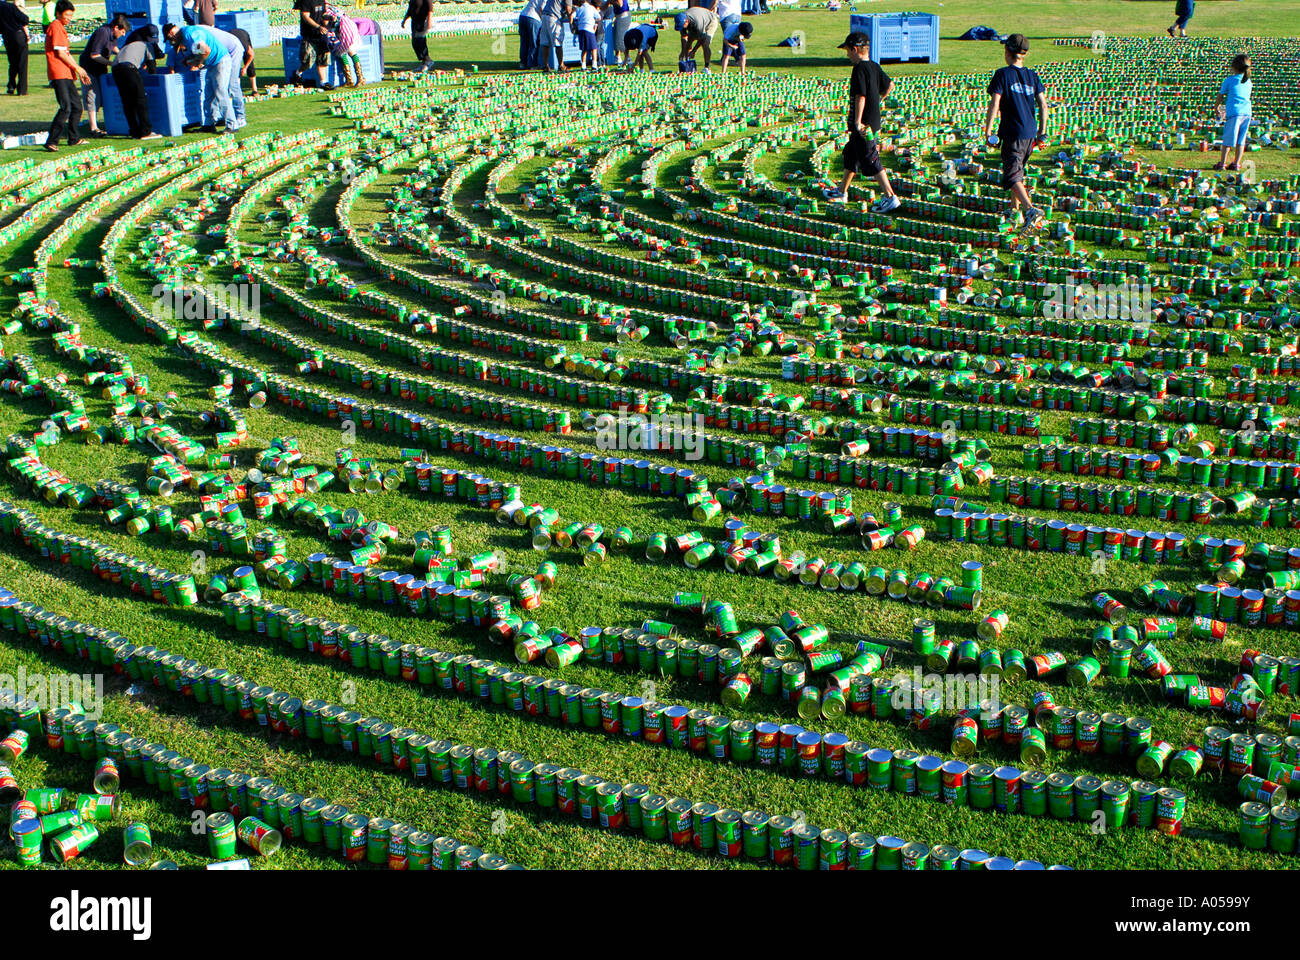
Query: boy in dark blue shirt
x=1015, y=93
x=733, y=45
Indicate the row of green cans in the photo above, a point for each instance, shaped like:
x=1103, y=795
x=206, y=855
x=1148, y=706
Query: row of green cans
x=223, y=791
x=263, y=815
x=111, y=566
x=265, y=812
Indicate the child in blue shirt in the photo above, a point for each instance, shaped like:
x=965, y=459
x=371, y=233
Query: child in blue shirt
x=1233, y=105
x=733, y=44
x=642, y=38
x=585, y=23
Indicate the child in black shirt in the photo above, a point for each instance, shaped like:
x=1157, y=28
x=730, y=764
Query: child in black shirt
x=867, y=85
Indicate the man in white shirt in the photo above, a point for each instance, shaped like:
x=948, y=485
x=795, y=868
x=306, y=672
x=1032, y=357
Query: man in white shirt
x=728, y=12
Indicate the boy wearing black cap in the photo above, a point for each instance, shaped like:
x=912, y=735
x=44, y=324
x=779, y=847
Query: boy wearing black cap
x=642, y=38
x=733, y=44
x=867, y=85
x=1015, y=93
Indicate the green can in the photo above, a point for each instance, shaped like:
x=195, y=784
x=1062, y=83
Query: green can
x=222, y=835
x=754, y=828
x=980, y=790
x=861, y=851
x=331, y=819
x=889, y=852
x=1060, y=796
x=654, y=821
x=1151, y=763
x=1115, y=798
x=27, y=838
x=72, y=843
x=1144, y=803
x=1033, y=793
x=944, y=857
x=1253, y=830
x=1013, y=666
x=923, y=636
x=806, y=846
x=915, y=856
x=137, y=844
x=1283, y=821
x=1084, y=672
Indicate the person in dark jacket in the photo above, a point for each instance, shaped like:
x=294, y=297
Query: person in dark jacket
x=245, y=66
x=419, y=12
x=139, y=52
x=13, y=31
x=96, y=60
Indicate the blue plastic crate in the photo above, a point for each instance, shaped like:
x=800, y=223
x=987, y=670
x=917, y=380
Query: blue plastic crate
x=371, y=55
x=152, y=11
x=256, y=22
x=573, y=55
x=166, y=105
x=900, y=37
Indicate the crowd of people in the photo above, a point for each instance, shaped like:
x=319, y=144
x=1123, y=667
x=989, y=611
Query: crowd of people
x=543, y=23
x=1017, y=97
x=117, y=50
x=1018, y=106
x=126, y=54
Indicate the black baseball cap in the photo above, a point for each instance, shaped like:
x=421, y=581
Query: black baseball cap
x=855, y=39
x=1016, y=43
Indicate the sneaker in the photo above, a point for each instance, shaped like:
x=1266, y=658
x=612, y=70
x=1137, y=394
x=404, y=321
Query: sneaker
x=1169, y=30
x=886, y=204
x=1232, y=166
x=208, y=128
x=1033, y=219
x=836, y=196
x=1218, y=166
x=152, y=136
x=326, y=86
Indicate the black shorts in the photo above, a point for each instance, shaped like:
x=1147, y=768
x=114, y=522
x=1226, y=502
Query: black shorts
x=862, y=155
x=310, y=46
x=1015, y=154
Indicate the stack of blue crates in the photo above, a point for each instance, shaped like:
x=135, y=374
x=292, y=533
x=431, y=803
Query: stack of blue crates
x=169, y=107
x=166, y=105
x=900, y=37
x=146, y=11
x=371, y=54
x=256, y=22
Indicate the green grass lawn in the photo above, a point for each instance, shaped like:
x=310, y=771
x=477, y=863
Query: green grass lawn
x=1045, y=597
